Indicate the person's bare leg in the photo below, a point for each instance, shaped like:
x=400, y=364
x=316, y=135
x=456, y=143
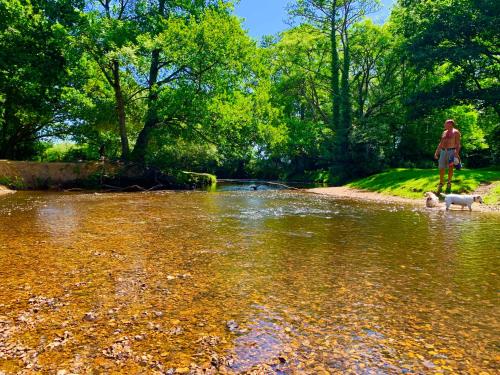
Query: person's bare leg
x=441, y=181
x=441, y=176
x=450, y=176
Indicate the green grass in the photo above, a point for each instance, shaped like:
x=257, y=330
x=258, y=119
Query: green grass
x=413, y=183
x=493, y=196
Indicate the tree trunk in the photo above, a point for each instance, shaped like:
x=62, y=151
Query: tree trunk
x=139, y=153
x=141, y=145
x=346, y=106
x=120, y=110
x=334, y=70
x=10, y=126
x=345, y=110
x=3, y=128
x=361, y=98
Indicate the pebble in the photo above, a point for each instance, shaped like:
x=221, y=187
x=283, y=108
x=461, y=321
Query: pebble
x=232, y=325
x=90, y=317
x=428, y=364
x=214, y=360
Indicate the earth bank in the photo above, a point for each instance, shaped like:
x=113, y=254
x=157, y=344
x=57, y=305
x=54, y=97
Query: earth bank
x=26, y=175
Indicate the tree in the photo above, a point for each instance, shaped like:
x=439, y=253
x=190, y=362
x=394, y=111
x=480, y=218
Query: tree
x=300, y=75
x=324, y=16
x=189, y=55
x=378, y=94
x=32, y=74
x=164, y=61
x=337, y=17
x=107, y=36
x=455, y=43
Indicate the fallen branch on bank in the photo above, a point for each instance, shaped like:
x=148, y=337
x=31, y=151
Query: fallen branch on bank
x=131, y=188
x=157, y=187
x=283, y=185
x=259, y=182
x=126, y=188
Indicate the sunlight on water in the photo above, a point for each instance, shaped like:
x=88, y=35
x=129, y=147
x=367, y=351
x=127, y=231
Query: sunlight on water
x=272, y=281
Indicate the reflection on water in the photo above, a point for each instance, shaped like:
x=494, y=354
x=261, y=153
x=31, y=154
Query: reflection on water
x=277, y=281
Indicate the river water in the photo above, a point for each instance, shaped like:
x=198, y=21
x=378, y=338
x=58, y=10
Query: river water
x=241, y=281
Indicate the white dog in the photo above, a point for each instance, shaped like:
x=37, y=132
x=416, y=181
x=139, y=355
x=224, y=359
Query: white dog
x=461, y=200
x=431, y=200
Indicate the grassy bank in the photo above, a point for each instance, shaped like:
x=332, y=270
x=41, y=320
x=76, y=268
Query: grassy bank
x=413, y=183
x=493, y=196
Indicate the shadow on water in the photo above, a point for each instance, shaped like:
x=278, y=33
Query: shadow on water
x=275, y=281
x=259, y=185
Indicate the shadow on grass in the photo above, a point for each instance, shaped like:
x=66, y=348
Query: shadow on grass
x=412, y=183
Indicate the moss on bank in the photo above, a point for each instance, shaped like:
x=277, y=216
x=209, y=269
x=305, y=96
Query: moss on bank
x=413, y=183
x=196, y=179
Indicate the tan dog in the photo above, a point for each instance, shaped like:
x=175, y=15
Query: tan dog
x=431, y=200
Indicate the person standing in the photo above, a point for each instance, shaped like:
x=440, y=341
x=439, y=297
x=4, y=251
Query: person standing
x=446, y=151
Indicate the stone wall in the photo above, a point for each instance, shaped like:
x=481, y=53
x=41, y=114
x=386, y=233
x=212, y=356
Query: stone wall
x=34, y=175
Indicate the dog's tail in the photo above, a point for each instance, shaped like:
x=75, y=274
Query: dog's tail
x=441, y=196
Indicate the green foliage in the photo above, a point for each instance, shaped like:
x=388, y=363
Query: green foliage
x=56, y=152
x=316, y=176
x=15, y=183
x=455, y=43
x=184, y=155
x=69, y=152
x=32, y=73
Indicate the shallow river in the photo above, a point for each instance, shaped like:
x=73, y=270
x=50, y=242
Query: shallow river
x=241, y=281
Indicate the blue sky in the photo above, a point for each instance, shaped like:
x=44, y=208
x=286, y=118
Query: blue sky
x=264, y=17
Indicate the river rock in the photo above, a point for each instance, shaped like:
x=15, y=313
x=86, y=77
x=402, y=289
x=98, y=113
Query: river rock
x=90, y=317
x=214, y=360
x=232, y=325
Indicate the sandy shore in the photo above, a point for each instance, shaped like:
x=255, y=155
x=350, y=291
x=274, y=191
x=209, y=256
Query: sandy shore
x=4, y=190
x=345, y=192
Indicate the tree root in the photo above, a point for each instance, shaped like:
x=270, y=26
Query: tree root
x=131, y=188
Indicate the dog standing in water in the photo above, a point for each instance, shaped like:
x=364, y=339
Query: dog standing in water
x=461, y=200
x=431, y=200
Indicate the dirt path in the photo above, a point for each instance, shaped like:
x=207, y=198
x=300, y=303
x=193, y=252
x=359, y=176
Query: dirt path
x=485, y=188
x=346, y=192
